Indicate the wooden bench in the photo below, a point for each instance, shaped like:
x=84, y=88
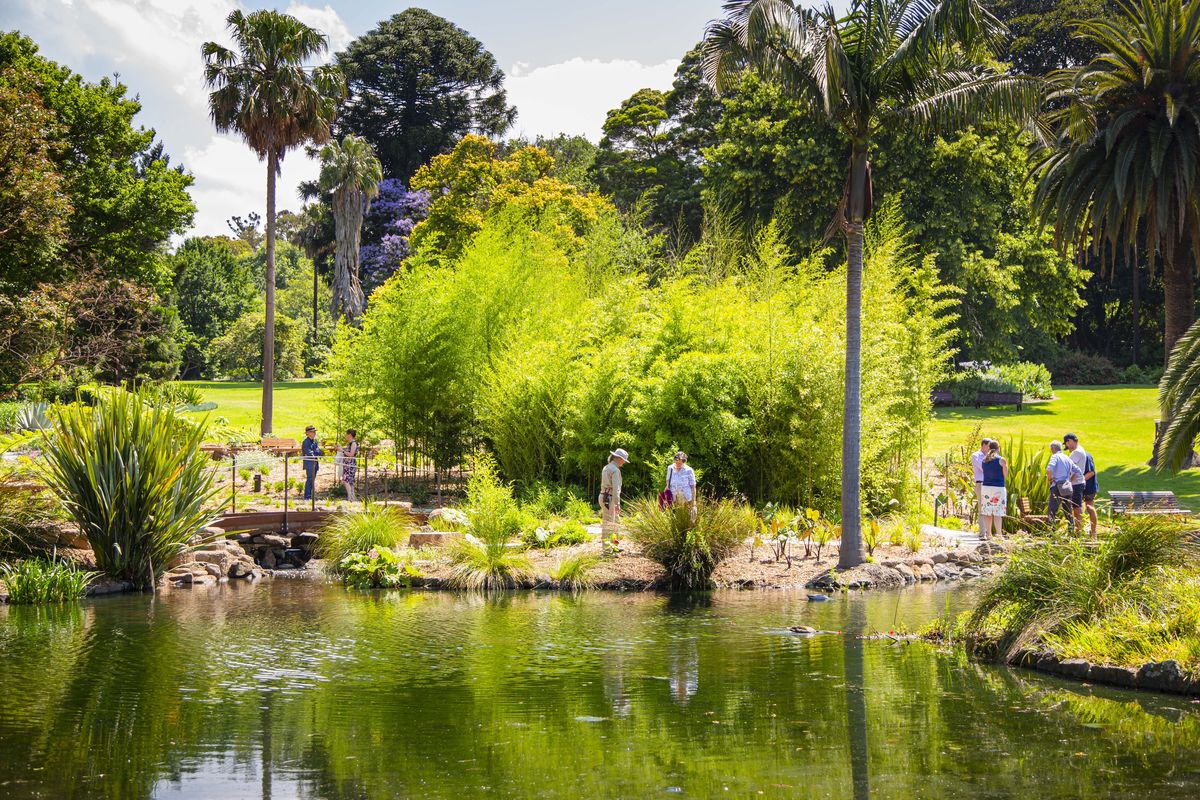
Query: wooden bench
x=280, y=447
x=1145, y=503
x=999, y=399
x=1027, y=517
x=941, y=397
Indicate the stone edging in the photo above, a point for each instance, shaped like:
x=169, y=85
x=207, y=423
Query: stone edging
x=950, y=565
x=1165, y=676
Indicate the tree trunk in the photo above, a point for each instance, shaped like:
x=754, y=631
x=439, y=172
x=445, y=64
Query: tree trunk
x=348, y=300
x=856, y=702
x=1179, y=298
x=268, y=397
x=1137, y=311
x=851, y=551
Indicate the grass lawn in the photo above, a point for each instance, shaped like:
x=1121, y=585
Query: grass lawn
x=297, y=403
x=1114, y=423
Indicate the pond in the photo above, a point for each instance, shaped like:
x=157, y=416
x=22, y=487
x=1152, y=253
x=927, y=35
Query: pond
x=304, y=690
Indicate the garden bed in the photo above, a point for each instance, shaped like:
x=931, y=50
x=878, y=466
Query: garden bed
x=631, y=571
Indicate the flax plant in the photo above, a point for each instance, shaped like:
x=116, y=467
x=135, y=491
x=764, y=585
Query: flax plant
x=130, y=473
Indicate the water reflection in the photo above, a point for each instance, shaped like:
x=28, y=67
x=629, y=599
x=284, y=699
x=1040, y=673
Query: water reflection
x=308, y=691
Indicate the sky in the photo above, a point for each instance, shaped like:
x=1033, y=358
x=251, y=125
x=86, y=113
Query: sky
x=567, y=64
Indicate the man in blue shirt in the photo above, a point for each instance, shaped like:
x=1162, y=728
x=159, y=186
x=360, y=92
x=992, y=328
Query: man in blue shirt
x=311, y=452
x=1061, y=472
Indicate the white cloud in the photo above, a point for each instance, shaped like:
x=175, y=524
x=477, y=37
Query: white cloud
x=231, y=180
x=574, y=96
x=327, y=21
x=155, y=46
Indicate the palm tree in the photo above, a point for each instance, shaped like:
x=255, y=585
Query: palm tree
x=916, y=63
x=1124, y=160
x=265, y=92
x=351, y=172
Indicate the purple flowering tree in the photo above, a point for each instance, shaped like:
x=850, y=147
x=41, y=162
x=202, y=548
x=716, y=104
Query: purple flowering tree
x=393, y=215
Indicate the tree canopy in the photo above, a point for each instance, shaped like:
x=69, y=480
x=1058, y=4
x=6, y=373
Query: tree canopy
x=78, y=156
x=1126, y=138
x=417, y=84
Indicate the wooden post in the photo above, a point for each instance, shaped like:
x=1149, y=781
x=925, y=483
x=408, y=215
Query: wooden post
x=285, y=493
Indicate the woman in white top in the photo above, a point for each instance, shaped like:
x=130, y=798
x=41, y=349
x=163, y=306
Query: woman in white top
x=681, y=481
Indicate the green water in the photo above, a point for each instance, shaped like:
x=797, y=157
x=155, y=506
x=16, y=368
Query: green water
x=304, y=690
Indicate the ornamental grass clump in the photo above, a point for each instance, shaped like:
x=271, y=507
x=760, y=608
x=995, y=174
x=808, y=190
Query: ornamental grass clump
x=130, y=473
x=43, y=580
x=691, y=548
x=1057, y=590
x=574, y=572
x=484, y=558
x=375, y=527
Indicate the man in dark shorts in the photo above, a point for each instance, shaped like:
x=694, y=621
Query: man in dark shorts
x=1083, y=486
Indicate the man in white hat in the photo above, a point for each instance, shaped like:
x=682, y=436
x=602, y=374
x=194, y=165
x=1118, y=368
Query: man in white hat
x=610, y=492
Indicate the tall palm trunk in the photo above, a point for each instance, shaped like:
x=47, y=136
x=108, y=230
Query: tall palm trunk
x=1179, y=310
x=348, y=299
x=1179, y=297
x=851, y=552
x=856, y=702
x=268, y=398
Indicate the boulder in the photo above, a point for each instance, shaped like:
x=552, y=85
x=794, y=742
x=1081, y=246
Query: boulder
x=274, y=540
x=267, y=559
x=305, y=540
x=878, y=575
x=220, y=559
x=214, y=570
x=1164, y=676
x=1114, y=676
x=925, y=572
x=920, y=560
x=939, y=558
x=1076, y=668
x=946, y=572
x=1047, y=662
x=186, y=557
x=906, y=572
x=431, y=538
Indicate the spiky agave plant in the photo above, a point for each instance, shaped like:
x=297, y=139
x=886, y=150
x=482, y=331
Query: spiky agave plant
x=1026, y=478
x=129, y=471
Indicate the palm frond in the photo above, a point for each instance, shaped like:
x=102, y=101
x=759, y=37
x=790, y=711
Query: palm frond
x=971, y=98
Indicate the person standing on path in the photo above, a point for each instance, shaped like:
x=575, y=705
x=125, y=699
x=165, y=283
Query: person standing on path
x=1084, y=485
x=995, y=494
x=681, y=482
x=311, y=452
x=1060, y=472
x=977, y=467
x=350, y=463
x=610, y=492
